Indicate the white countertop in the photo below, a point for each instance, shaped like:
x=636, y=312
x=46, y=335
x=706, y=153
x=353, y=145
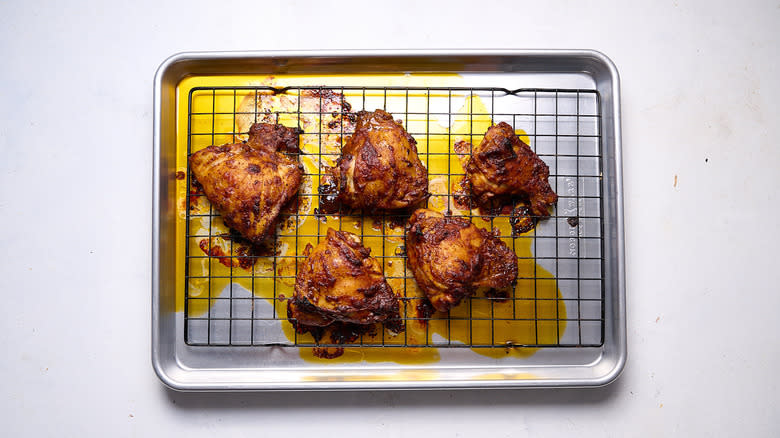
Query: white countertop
x=700, y=95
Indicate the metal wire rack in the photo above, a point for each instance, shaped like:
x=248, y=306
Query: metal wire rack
x=231, y=302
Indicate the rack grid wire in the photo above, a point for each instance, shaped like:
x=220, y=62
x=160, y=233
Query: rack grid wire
x=241, y=302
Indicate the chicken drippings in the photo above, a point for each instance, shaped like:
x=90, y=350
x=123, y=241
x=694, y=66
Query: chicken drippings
x=536, y=315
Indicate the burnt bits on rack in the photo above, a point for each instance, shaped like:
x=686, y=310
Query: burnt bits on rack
x=559, y=297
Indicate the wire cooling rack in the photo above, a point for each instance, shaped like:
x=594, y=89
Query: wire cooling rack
x=230, y=301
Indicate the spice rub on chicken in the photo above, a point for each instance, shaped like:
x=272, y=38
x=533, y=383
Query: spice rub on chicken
x=340, y=281
x=249, y=183
x=502, y=167
x=379, y=168
x=450, y=258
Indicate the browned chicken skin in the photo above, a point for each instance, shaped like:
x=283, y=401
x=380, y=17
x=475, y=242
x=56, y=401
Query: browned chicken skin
x=450, y=258
x=503, y=166
x=340, y=281
x=274, y=137
x=379, y=168
x=248, y=183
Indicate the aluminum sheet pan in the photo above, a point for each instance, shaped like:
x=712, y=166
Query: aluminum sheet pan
x=589, y=348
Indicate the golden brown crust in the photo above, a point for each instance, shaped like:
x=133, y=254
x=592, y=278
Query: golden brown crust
x=499, y=263
x=340, y=281
x=450, y=258
x=305, y=314
x=248, y=183
x=379, y=168
x=503, y=166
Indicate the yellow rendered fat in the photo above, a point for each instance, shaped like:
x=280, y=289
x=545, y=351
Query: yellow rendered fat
x=527, y=321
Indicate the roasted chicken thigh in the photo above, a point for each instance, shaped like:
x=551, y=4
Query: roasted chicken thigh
x=340, y=281
x=248, y=183
x=379, y=168
x=450, y=258
x=502, y=166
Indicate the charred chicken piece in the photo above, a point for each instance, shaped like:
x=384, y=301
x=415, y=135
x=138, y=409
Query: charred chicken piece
x=340, y=281
x=274, y=137
x=503, y=166
x=450, y=258
x=379, y=168
x=248, y=183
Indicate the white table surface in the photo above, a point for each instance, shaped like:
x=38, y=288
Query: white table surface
x=700, y=93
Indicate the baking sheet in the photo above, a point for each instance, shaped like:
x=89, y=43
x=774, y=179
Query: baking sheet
x=551, y=115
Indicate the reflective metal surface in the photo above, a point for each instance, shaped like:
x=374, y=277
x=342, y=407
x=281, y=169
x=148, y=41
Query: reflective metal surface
x=188, y=367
